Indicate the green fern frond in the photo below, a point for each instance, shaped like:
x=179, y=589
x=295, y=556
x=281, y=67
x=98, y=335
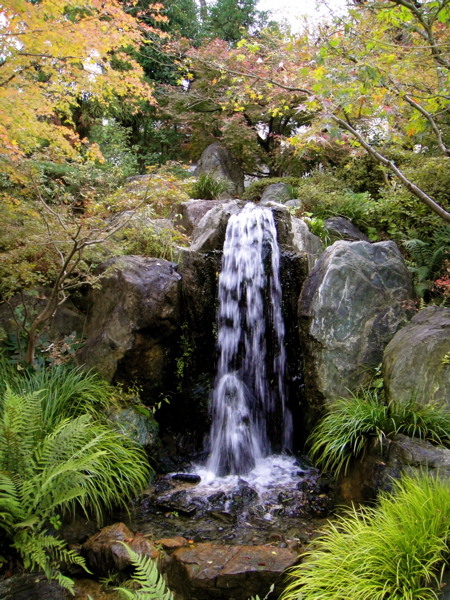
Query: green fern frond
x=153, y=586
x=10, y=506
x=44, y=552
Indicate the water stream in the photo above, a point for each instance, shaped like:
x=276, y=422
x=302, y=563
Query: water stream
x=250, y=419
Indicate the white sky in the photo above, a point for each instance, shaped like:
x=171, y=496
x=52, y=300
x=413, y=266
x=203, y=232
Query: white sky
x=292, y=10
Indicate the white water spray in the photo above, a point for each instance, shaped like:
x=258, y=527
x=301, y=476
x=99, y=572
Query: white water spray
x=249, y=415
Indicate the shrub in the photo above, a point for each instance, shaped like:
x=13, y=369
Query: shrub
x=344, y=432
x=154, y=241
x=394, y=551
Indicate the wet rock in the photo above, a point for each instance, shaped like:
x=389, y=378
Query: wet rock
x=343, y=229
x=188, y=214
x=169, y=545
x=179, y=502
x=32, y=586
x=187, y=477
x=139, y=426
x=241, y=497
x=352, y=303
x=413, y=366
x=218, y=161
x=105, y=551
x=208, y=571
x=163, y=485
x=217, y=499
x=133, y=322
x=223, y=516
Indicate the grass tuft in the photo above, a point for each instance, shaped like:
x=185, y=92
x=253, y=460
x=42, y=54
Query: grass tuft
x=351, y=422
x=395, y=551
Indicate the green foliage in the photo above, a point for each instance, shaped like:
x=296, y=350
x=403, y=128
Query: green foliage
x=427, y=257
x=361, y=174
x=114, y=141
x=65, y=393
x=396, y=550
x=350, y=423
x=151, y=584
x=155, y=240
x=345, y=431
x=186, y=353
x=208, y=187
x=56, y=454
x=266, y=596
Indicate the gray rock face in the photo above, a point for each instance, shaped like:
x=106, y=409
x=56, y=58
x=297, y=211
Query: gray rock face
x=190, y=213
x=276, y=192
x=210, y=231
x=139, y=427
x=219, y=162
x=408, y=455
x=343, y=229
x=67, y=318
x=380, y=466
x=133, y=319
x=350, y=307
x=412, y=363
x=306, y=242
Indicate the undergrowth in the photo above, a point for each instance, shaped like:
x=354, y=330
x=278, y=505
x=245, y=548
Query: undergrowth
x=58, y=454
x=350, y=423
x=396, y=550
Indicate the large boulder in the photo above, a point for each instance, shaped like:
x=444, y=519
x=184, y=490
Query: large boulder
x=305, y=242
x=276, y=192
x=188, y=214
x=209, y=235
x=208, y=571
x=106, y=553
x=352, y=304
x=413, y=365
x=382, y=464
x=339, y=228
x=218, y=161
x=133, y=322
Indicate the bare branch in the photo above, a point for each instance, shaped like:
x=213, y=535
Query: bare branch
x=434, y=206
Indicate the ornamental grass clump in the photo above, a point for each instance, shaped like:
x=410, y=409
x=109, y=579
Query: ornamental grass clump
x=208, y=187
x=396, y=550
x=344, y=432
x=351, y=423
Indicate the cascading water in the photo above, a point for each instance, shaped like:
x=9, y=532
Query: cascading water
x=250, y=419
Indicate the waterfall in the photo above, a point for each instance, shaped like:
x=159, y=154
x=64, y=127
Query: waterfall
x=250, y=419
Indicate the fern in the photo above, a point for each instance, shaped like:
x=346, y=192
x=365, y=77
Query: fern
x=427, y=257
x=147, y=576
x=80, y=461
